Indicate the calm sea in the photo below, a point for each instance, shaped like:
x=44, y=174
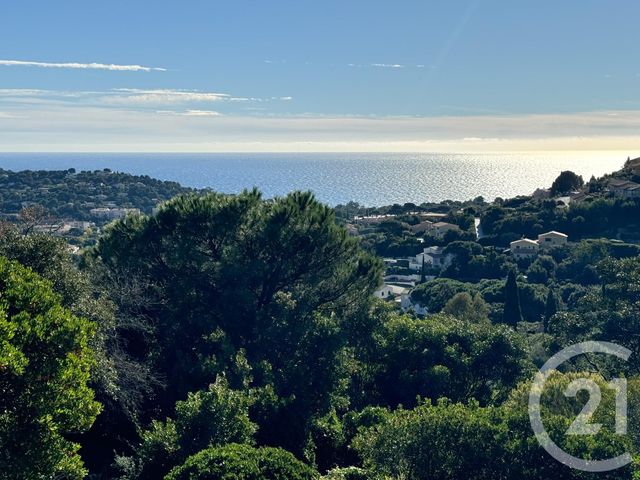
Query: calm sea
x=368, y=178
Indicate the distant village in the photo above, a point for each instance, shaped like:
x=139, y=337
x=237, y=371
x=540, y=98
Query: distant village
x=104, y=203
x=402, y=274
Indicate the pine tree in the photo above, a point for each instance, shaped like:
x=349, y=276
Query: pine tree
x=550, y=309
x=512, y=311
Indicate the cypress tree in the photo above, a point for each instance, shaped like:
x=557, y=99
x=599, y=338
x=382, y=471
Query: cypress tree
x=423, y=276
x=512, y=311
x=550, y=309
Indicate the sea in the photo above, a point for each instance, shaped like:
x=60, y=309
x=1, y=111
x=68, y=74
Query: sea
x=371, y=179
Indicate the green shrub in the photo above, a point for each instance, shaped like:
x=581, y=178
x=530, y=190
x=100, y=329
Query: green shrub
x=242, y=462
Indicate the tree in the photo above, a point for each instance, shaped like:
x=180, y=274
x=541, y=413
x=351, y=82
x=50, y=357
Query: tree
x=277, y=280
x=44, y=363
x=447, y=440
x=551, y=308
x=512, y=313
x=464, y=307
x=610, y=312
x=434, y=294
x=441, y=357
x=243, y=462
x=120, y=382
x=209, y=418
x=566, y=182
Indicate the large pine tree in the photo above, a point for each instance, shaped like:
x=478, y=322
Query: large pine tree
x=512, y=311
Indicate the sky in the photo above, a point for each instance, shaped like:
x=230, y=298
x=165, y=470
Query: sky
x=319, y=75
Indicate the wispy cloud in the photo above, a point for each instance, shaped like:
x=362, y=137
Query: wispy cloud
x=191, y=113
x=133, y=95
x=82, y=66
x=385, y=65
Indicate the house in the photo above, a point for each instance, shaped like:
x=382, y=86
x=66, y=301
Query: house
x=624, y=188
x=112, y=213
x=434, y=217
x=79, y=224
x=433, y=257
x=389, y=292
x=524, y=248
x=385, y=292
x=441, y=228
x=404, y=279
x=422, y=227
x=372, y=219
x=541, y=193
x=52, y=228
x=552, y=239
x=580, y=197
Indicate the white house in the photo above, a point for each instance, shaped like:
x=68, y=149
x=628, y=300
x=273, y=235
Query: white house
x=524, y=248
x=112, y=213
x=373, y=219
x=433, y=256
x=552, y=239
x=388, y=292
x=385, y=292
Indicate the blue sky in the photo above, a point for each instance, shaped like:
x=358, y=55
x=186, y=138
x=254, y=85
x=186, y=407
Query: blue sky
x=319, y=75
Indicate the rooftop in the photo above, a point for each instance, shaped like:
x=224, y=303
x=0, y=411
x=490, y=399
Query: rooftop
x=525, y=240
x=553, y=232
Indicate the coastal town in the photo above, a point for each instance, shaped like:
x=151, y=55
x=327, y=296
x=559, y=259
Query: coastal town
x=419, y=244
x=434, y=236
x=453, y=288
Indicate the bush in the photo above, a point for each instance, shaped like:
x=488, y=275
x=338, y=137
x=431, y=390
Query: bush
x=242, y=462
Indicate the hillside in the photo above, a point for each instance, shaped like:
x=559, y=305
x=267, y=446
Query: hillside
x=71, y=195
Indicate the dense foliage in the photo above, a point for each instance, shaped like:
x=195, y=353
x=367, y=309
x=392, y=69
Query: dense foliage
x=266, y=292
x=45, y=362
x=70, y=194
x=241, y=462
x=235, y=337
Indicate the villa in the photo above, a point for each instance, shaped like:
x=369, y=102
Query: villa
x=433, y=257
x=527, y=248
x=524, y=248
x=422, y=227
x=580, y=197
x=552, y=239
x=624, y=188
x=439, y=229
x=389, y=292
